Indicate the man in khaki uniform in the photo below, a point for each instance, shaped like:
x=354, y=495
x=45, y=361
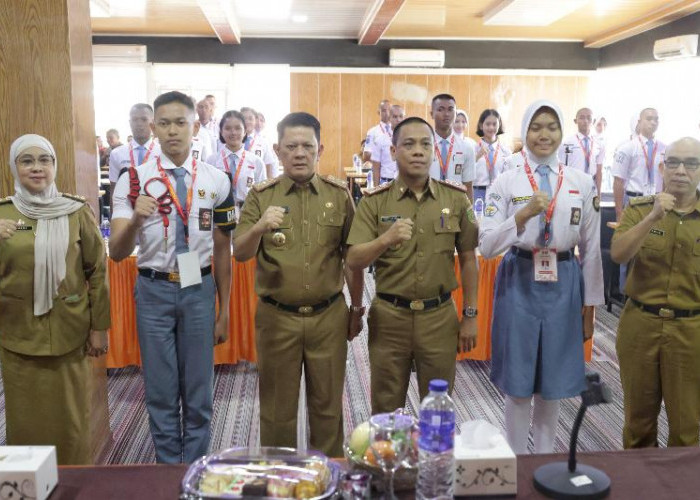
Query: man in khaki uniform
x=658, y=340
x=410, y=228
x=296, y=225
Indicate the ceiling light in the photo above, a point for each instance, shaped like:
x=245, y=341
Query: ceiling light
x=300, y=18
x=530, y=12
x=264, y=9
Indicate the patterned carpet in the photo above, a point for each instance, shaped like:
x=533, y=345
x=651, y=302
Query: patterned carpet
x=236, y=410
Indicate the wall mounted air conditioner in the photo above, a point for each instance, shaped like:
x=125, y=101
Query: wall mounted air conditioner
x=676, y=47
x=416, y=58
x=119, y=54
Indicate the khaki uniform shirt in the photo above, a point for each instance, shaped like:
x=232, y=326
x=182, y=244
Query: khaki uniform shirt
x=83, y=296
x=666, y=270
x=424, y=266
x=301, y=263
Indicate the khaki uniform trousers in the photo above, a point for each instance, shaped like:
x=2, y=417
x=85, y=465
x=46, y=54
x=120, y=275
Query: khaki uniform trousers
x=286, y=340
x=659, y=359
x=396, y=337
x=47, y=402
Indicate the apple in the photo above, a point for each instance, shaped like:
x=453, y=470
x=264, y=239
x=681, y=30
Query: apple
x=359, y=439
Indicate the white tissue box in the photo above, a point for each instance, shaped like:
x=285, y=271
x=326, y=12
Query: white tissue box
x=28, y=471
x=488, y=469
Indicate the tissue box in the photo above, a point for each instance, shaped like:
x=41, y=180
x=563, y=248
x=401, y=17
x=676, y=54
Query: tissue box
x=485, y=470
x=27, y=471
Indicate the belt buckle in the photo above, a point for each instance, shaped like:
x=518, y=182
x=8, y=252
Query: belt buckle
x=417, y=305
x=306, y=310
x=174, y=277
x=667, y=313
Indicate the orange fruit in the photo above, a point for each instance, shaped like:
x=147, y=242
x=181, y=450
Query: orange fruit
x=382, y=448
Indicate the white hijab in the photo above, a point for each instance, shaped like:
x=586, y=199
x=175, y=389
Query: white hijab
x=51, y=210
x=527, y=118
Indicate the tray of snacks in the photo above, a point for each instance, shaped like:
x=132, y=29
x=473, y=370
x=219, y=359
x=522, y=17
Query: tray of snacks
x=361, y=455
x=262, y=473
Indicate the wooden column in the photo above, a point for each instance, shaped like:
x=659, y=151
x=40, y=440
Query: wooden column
x=46, y=89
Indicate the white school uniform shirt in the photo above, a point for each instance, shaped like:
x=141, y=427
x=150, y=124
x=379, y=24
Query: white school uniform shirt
x=481, y=169
x=119, y=158
x=575, y=220
x=461, y=161
x=577, y=156
x=630, y=165
x=261, y=148
x=212, y=191
x=381, y=129
x=381, y=152
x=252, y=170
x=202, y=145
x=212, y=128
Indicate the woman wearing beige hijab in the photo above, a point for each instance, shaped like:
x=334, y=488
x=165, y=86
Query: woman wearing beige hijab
x=54, y=306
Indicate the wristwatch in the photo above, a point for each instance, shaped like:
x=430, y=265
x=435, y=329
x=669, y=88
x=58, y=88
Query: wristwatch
x=469, y=312
x=358, y=309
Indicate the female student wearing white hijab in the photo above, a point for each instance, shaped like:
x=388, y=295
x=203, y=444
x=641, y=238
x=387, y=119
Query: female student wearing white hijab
x=54, y=306
x=544, y=296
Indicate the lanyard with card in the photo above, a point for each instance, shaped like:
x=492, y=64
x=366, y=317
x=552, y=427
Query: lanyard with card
x=444, y=162
x=145, y=157
x=184, y=213
x=552, y=202
x=586, y=152
x=545, y=263
x=188, y=268
x=649, y=161
x=234, y=181
x=489, y=164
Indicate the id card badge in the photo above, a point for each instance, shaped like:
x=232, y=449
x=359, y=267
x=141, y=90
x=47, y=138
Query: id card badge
x=236, y=213
x=188, y=266
x=545, y=262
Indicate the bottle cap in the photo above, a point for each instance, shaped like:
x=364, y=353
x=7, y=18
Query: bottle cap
x=438, y=385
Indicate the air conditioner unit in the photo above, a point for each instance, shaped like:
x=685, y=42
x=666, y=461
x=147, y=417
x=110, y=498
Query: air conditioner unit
x=119, y=53
x=676, y=47
x=416, y=58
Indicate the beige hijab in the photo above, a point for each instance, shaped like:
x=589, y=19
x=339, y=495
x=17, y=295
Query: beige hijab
x=51, y=210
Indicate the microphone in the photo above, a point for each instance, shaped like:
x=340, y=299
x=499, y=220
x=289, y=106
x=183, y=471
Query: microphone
x=569, y=479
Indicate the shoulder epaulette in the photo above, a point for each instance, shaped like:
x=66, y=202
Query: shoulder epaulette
x=642, y=200
x=334, y=181
x=453, y=184
x=74, y=197
x=5, y=201
x=379, y=189
x=262, y=186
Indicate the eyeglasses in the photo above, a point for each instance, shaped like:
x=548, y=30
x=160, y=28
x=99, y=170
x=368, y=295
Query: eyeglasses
x=690, y=165
x=29, y=161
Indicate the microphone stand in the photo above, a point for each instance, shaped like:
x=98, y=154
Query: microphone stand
x=571, y=480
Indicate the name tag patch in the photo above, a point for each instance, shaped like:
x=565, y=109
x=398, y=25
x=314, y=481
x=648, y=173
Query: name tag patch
x=521, y=199
x=658, y=232
x=389, y=218
x=458, y=169
x=575, y=216
x=205, y=219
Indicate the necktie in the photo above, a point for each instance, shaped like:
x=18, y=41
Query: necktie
x=234, y=165
x=181, y=191
x=491, y=152
x=586, y=152
x=650, y=161
x=445, y=160
x=544, y=185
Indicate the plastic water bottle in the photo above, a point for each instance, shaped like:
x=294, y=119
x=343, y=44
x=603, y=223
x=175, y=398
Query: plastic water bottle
x=370, y=181
x=357, y=163
x=479, y=208
x=436, y=460
x=105, y=228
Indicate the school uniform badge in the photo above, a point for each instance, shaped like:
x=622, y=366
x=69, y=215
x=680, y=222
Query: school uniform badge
x=490, y=210
x=575, y=216
x=201, y=193
x=596, y=204
x=205, y=219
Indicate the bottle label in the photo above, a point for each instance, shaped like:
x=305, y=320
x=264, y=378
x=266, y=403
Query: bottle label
x=437, y=431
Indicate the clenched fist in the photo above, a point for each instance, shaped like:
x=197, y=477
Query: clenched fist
x=400, y=231
x=538, y=203
x=145, y=207
x=664, y=203
x=7, y=229
x=271, y=219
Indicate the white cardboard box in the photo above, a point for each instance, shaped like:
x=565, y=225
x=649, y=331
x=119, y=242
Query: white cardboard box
x=27, y=471
x=486, y=470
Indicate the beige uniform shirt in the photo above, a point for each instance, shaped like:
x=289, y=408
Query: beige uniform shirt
x=83, y=296
x=301, y=263
x=424, y=266
x=666, y=270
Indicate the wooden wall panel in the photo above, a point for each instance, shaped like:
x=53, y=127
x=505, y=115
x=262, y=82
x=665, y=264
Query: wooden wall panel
x=329, y=114
x=346, y=103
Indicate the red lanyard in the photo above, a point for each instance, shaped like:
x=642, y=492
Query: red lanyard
x=486, y=155
x=388, y=133
x=145, y=158
x=444, y=162
x=552, y=202
x=586, y=154
x=183, y=213
x=234, y=181
x=650, y=164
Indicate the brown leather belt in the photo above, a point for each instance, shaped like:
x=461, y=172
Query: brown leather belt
x=301, y=309
x=415, y=305
x=666, y=312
